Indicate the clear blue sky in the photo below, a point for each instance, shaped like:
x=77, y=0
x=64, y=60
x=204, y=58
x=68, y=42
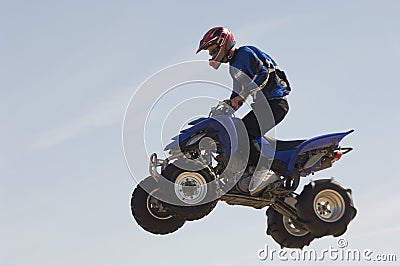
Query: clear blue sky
x=69, y=68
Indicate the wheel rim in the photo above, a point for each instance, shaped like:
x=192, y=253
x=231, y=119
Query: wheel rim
x=190, y=187
x=291, y=228
x=329, y=205
x=156, y=208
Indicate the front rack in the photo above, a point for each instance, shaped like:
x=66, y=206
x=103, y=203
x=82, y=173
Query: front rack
x=154, y=163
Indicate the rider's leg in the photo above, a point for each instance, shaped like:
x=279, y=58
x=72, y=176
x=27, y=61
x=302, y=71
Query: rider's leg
x=257, y=123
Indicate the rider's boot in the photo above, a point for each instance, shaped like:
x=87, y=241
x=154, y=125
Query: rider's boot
x=261, y=179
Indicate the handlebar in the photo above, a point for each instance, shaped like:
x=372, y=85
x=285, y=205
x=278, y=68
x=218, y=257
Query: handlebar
x=222, y=108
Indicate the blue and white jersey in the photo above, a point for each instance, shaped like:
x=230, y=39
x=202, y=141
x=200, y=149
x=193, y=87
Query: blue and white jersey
x=250, y=70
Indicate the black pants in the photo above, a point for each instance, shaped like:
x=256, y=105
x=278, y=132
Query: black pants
x=259, y=121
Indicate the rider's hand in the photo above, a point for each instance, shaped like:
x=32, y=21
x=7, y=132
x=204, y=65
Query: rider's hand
x=227, y=101
x=237, y=102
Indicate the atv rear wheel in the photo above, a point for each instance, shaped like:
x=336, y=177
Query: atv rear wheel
x=191, y=194
x=284, y=231
x=150, y=213
x=325, y=207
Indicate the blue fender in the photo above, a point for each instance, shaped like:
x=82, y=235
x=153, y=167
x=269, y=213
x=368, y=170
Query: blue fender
x=223, y=125
x=314, y=144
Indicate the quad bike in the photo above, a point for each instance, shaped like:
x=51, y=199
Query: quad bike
x=206, y=166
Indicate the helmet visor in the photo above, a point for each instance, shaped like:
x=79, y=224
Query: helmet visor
x=204, y=45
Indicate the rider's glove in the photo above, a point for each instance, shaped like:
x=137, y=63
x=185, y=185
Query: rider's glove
x=237, y=102
x=228, y=102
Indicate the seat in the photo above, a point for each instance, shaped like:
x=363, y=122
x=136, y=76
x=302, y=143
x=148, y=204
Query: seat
x=284, y=145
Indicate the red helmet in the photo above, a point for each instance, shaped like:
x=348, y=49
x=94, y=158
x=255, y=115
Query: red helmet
x=224, y=40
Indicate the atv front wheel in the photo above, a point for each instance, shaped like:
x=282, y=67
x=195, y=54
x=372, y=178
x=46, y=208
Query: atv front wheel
x=284, y=231
x=325, y=207
x=190, y=190
x=150, y=213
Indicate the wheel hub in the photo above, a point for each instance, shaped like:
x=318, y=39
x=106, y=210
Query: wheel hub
x=156, y=208
x=329, y=205
x=292, y=229
x=190, y=187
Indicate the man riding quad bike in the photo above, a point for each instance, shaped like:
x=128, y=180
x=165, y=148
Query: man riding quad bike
x=224, y=158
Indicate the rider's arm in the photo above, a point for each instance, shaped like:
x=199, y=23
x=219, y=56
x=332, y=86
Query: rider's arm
x=236, y=100
x=236, y=88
